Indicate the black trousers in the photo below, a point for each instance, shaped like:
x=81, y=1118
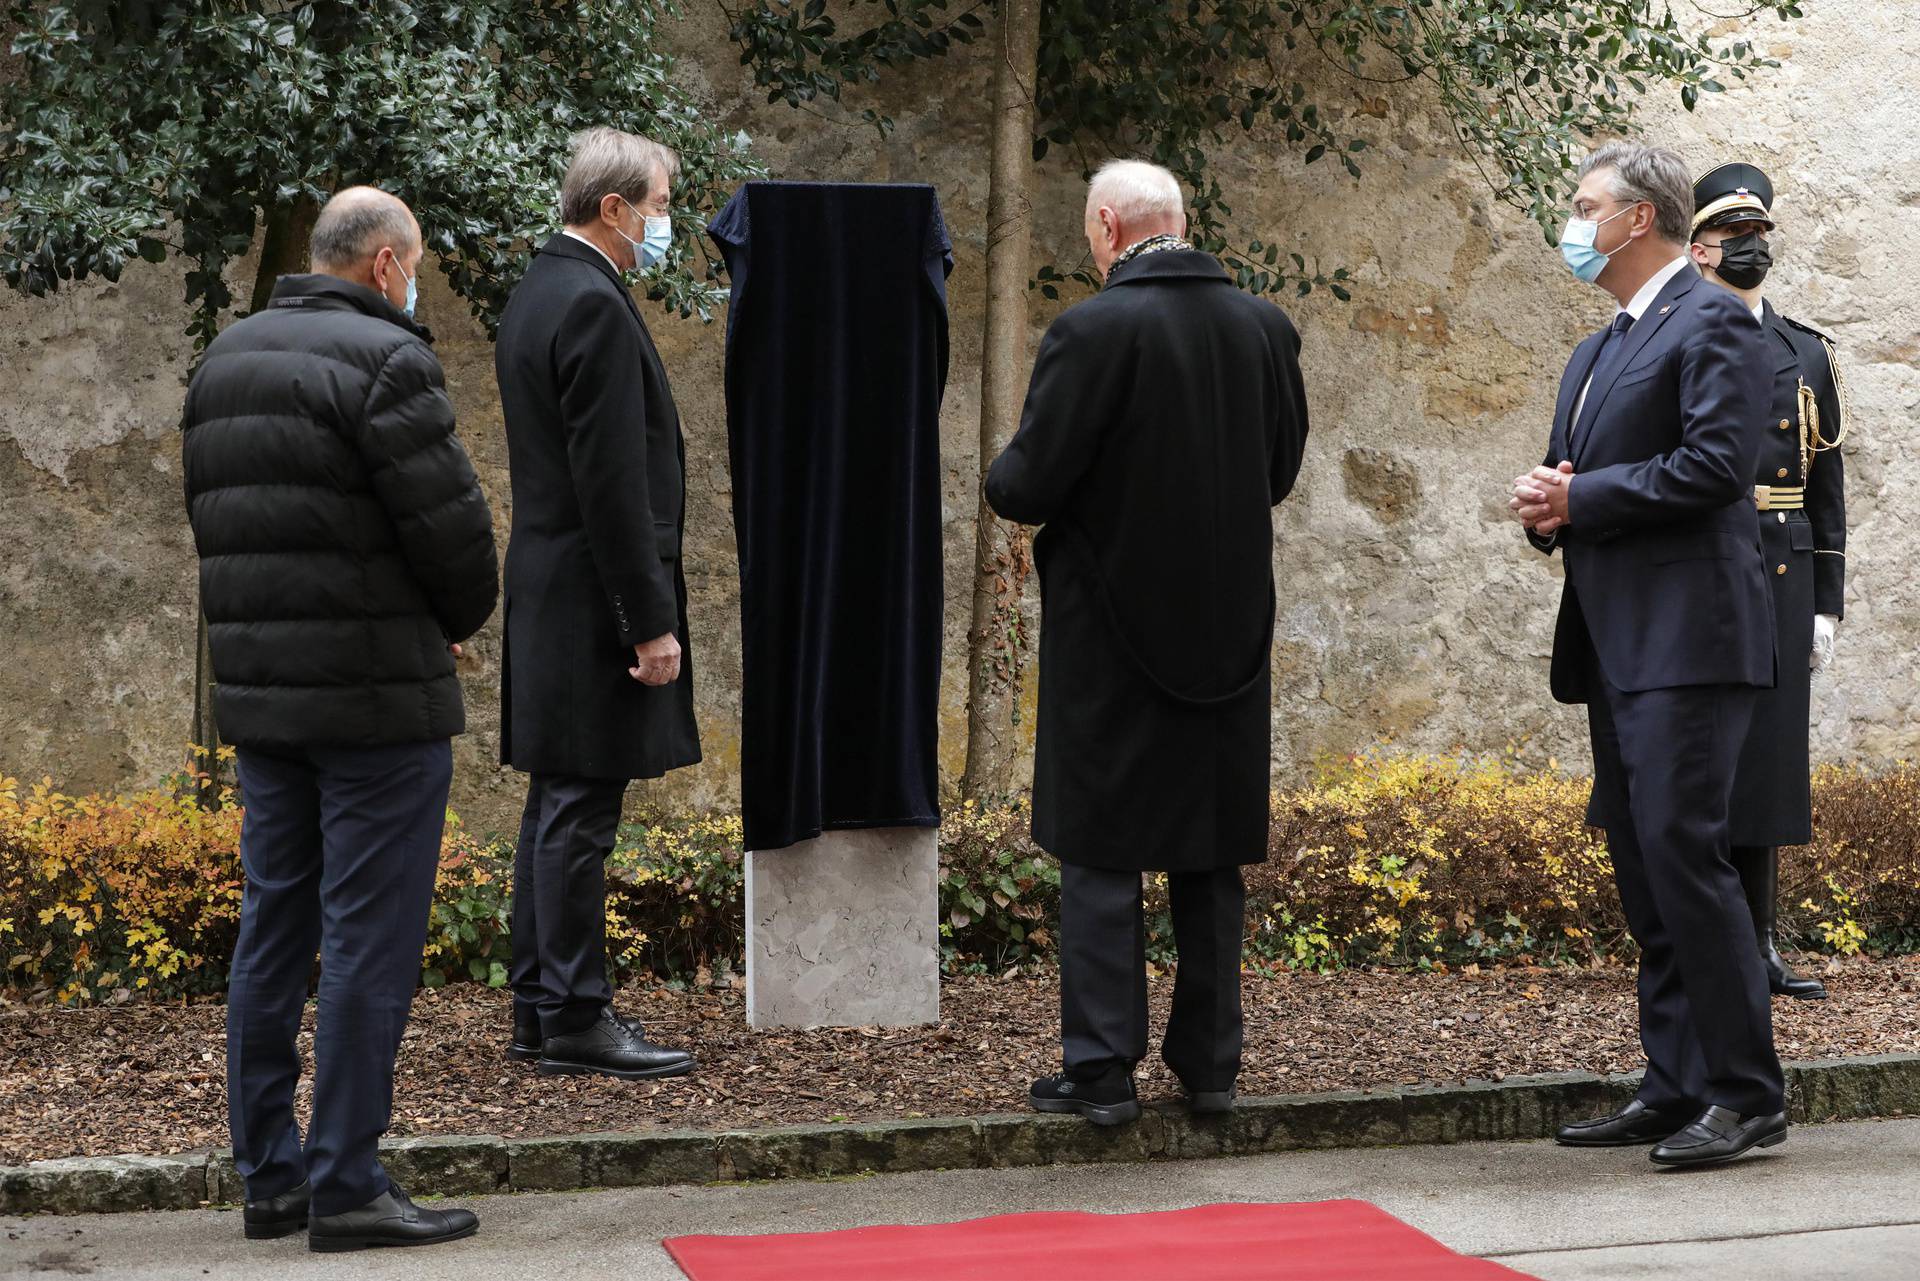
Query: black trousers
x=560, y=899
x=1663, y=767
x=1103, y=974
x=340, y=848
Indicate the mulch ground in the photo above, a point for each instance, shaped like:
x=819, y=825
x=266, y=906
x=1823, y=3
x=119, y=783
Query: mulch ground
x=150, y=1078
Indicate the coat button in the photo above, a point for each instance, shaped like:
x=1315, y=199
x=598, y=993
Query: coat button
x=1781, y=517
x=1782, y=473
x=1784, y=424
x=1781, y=570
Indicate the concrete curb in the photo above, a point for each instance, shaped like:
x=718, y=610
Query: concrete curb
x=1517, y=1108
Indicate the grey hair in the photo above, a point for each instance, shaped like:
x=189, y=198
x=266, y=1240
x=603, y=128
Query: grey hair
x=1136, y=190
x=608, y=162
x=357, y=224
x=1654, y=174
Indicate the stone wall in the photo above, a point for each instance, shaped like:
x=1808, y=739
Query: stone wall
x=1410, y=610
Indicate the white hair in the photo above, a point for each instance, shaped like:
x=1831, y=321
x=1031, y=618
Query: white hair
x=1137, y=191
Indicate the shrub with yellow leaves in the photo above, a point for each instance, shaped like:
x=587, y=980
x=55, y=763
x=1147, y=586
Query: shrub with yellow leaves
x=1382, y=859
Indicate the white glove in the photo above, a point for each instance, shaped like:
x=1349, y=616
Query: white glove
x=1825, y=627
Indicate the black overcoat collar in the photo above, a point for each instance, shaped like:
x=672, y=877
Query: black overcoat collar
x=1168, y=264
x=565, y=246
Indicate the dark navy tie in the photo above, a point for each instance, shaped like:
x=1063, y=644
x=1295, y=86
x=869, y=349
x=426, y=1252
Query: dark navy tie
x=1598, y=379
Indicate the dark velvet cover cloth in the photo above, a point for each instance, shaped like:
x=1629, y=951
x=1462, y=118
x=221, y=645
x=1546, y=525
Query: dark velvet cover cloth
x=836, y=362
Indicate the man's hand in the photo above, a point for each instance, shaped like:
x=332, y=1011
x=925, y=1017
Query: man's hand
x=455, y=650
x=657, y=662
x=1825, y=628
x=1540, y=498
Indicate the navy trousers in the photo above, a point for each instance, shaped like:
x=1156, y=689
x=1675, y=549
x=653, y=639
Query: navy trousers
x=1103, y=974
x=560, y=900
x=1663, y=770
x=340, y=846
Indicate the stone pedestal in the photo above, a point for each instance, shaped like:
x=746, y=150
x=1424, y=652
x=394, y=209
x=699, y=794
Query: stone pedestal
x=844, y=930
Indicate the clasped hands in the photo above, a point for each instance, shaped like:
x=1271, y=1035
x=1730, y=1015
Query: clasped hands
x=1540, y=498
x=657, y=662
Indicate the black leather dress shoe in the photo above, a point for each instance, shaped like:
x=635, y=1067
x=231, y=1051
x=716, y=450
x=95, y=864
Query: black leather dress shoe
x=611, y=1047
x=1633, y=1124
x=1720, y=1134
x=277, y=1216
x=390, y=1219
x=1108, y=1100
x=525, y=1046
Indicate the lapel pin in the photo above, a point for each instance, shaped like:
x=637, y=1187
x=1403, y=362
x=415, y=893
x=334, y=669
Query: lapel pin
x=1664, y=310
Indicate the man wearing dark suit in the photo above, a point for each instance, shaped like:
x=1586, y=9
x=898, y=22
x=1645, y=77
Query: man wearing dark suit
x=596, y=688
x=1165, y=420
x=1666, y=634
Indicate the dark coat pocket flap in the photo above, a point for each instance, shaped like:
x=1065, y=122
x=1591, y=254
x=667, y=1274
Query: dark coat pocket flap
x=667, y=539
x=1800, y=535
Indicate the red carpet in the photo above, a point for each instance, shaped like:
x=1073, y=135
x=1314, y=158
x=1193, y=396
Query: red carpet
x=1309, y=1241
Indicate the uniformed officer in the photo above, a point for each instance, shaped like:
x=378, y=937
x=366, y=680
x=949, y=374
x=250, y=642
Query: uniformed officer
x=1799, y=492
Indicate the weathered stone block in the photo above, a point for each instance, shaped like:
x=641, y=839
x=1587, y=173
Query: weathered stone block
x=224, y=1184
x=1069, y=1140
x=844, y=930
x=547, y=1165
x=648, y=1159
x=1871, y=1085
x=104, y=1185
x=1339, y=1119
x=447, y=1166
x=815, y=1151
x=1517, y=1108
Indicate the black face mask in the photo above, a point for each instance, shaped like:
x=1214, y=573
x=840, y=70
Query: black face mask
x=1744, y=261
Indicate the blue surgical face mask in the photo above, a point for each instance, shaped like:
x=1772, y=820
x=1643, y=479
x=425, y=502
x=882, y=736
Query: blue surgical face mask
x=652, y=246
x=1576, y=246
x=413, y=291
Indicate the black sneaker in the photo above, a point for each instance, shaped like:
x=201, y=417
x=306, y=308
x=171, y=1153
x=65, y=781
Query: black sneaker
x=277, y=1216
x=525, y=1046
x=1109, y=1100
x=611, y=1047
x=390, y=1219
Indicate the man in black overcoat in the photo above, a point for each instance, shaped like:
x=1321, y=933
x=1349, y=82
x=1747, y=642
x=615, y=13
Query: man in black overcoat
x=1165, y=420
x=596, y=687
x=1800, y=492
x=1665, y=632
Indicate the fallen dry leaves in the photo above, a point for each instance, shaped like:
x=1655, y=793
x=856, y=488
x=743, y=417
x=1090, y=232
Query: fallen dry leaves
x=151, y=1078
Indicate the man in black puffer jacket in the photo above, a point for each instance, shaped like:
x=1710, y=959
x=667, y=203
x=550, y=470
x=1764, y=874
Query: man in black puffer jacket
x=345, y=550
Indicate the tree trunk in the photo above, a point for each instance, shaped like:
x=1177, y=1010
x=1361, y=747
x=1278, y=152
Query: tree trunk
x=284, y=250
x=997, y=641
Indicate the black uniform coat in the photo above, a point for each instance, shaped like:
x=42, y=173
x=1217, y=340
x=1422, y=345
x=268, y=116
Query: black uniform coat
x=1806, y=565
x=343, y=538
x=1164, y=421
x=593, y=562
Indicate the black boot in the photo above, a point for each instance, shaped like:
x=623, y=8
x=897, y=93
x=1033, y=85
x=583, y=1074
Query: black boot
x=1759, y=868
